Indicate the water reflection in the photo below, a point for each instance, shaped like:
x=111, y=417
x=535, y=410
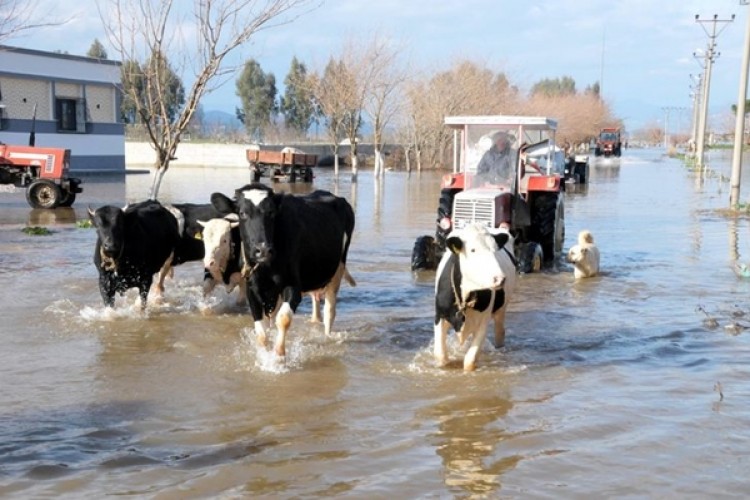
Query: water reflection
x=469, y=441
x=600, y=173
x=52, y=217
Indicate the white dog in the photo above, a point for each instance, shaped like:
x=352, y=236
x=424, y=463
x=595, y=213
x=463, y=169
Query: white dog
x=584, y=256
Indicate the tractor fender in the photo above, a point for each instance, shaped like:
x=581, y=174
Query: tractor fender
x=550, y=183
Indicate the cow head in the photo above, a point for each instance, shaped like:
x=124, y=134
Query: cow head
x=217, y=238
x=109, y=222
x=257, y=206
x=475, y=248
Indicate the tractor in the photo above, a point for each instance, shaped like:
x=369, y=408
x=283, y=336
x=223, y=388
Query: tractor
x=609, y=143
x=42, y=171
x=533, y=193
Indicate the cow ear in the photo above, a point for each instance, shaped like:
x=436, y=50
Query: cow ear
x=91, y=214
x=455, y=244
x=232, y=218
x=223, y=204
x=201, y=223
x=501, y=239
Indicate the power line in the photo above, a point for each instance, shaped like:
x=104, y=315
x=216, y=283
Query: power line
x=709, y=56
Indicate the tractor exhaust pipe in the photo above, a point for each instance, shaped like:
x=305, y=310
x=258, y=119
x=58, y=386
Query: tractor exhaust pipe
x=32, y=134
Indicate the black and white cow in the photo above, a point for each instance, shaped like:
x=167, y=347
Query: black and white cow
x=291, y=245
x=473, y=283
x=132, y=245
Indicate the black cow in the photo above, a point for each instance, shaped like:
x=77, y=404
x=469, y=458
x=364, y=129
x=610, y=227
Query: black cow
x=132, y=245
x=291, y=245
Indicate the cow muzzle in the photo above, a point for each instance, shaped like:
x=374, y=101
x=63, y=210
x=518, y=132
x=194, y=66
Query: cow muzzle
x=109, y=263
x=498, y=282
x=260, y=253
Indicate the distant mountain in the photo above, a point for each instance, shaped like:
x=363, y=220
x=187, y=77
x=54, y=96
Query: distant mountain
x=212, y=117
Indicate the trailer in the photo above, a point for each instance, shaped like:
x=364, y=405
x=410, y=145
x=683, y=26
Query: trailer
x=287, y=165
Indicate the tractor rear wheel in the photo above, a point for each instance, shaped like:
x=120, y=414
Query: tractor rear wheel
x=548, y=223
x=43, y=194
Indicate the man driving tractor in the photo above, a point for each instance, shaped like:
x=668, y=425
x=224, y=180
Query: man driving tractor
x=497, y=167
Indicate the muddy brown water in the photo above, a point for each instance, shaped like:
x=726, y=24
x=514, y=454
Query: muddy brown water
x=632, y=384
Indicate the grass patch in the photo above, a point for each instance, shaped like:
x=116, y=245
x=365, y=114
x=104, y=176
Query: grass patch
x=36, y=231
x=84, y=224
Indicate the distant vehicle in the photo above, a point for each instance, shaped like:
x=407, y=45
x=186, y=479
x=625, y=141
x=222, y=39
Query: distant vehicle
x=42, y=171
x=577, y=168
x=289, y=164
x=609, y=143
x=533, y=195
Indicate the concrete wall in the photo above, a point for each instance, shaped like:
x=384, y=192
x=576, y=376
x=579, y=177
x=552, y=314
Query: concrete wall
x=140, y=154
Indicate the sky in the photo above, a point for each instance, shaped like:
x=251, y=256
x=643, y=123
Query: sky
x=641, y=51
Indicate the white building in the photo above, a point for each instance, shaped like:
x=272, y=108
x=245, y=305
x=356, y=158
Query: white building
x=77, y=105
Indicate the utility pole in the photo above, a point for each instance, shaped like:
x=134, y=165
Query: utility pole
x=667, y=110
x=739, y=126
x=710, y=56
x=695, y=93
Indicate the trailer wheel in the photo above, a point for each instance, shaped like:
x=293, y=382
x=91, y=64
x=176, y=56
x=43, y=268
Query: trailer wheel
x=308, y=175
x=43, y=194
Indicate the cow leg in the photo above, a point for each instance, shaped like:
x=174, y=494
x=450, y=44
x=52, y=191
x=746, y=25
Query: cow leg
x=165, y=270
x=331, y=294
x=256, y=309
x=480, y=333
x=236, y=280
x=208, y=285
x=291, y=298
x=143, y=289
x=107, y=288
x=498, y=318
x=315, y=297
x=440, y=347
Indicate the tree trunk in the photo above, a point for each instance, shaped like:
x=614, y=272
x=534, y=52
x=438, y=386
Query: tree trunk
x=355, y=163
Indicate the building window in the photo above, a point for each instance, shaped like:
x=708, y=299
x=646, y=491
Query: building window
x=71, y=115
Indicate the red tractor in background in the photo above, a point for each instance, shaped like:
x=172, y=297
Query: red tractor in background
x=535, y=190
x=42, y=171
x=609, y=143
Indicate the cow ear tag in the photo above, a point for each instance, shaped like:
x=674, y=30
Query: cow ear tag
x=198, y=235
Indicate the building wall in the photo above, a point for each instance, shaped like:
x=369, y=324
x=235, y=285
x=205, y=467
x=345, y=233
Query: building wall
x=30, y=78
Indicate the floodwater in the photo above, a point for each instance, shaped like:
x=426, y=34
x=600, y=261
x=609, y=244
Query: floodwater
x=631, y=384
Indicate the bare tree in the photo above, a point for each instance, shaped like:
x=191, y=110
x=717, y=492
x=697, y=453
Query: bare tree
x=466, y=88
x=343, y=90
x=328, y=91
x=383, y=97
x=145, y=30
x=19, y=16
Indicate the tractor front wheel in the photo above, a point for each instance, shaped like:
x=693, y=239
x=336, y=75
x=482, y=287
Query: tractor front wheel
x=68, y=198
x=44, y=194
x=424, y=254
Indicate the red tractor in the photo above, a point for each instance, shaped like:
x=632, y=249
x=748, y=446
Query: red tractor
x=42, y=171
x=609, y=143
x=529, y=197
